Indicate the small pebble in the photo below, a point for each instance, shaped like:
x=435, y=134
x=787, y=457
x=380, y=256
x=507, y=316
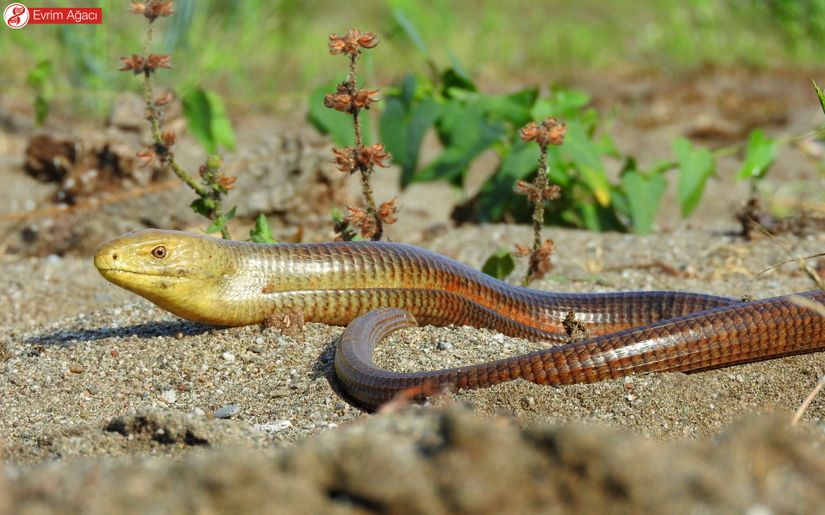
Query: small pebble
x=274, y=427
x=260, y=341
x=227, y=411
x=528, y=402
x=228, y=357
x=255, y=349
x=444, y=346
x=169, y=396
x=77, y=369
x=198, y=412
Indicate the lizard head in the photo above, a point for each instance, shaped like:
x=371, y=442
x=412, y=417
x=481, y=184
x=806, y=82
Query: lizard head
x=175, y=270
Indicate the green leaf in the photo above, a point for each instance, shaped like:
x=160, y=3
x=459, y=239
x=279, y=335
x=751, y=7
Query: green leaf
x=455, y=63
x=207, y=119
x=40, y=80
x=403, y=125
x=643, y=195
x=588, y=215
x=203, y=206
x=216, y=226
x=564, y=103
x=518, y=162
x=500, y=264
x=454, y=79
x=760, y=153
x=584, y=153
x=466, y=132
x=40, y=75
x=410, y=30
x=261, y=233
x=196, y=110
x=513, y=108
x=696, y=165
x=570, y=99
x=220, y=124
x=820, y=95
x=41, y=109
x=220, y=222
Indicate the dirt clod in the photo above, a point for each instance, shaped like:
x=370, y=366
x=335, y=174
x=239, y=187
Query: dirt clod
x=453, y=461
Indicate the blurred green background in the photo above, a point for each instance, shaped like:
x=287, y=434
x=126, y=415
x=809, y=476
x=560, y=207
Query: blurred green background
x=267, y=55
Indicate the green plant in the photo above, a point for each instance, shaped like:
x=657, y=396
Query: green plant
x=261, y=232
x=207, y=120
x=468, y=122
x=500, y=264
x=40, y=80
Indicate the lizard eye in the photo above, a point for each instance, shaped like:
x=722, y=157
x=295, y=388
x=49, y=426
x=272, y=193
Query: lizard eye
x=159, y=252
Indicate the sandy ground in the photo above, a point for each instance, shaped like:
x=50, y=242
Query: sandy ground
x=108, y=404
x=94, y=372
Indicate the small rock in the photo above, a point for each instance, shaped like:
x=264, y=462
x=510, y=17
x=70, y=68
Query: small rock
x=228, y=357
x=274, y=427
x=169, y=396
x=528, y=402
x=227, y=411
x=260, y=341
x=198, y=412
x=255, y=349
x=77, y=369
x=127, y=112
x=444, y=346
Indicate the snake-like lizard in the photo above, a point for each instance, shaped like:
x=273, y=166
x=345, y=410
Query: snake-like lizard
x=377, y=288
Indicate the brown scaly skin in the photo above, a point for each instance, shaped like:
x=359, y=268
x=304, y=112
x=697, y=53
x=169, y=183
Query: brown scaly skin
x=236, y=283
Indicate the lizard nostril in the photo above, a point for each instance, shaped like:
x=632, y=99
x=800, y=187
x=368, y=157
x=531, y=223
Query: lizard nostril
x=114, y=257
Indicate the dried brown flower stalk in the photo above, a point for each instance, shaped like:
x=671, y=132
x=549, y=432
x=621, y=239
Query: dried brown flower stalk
x=548, y=132
x=348, y=98
x=214, y=183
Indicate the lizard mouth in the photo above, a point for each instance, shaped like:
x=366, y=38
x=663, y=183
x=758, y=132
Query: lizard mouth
x=111, y=272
